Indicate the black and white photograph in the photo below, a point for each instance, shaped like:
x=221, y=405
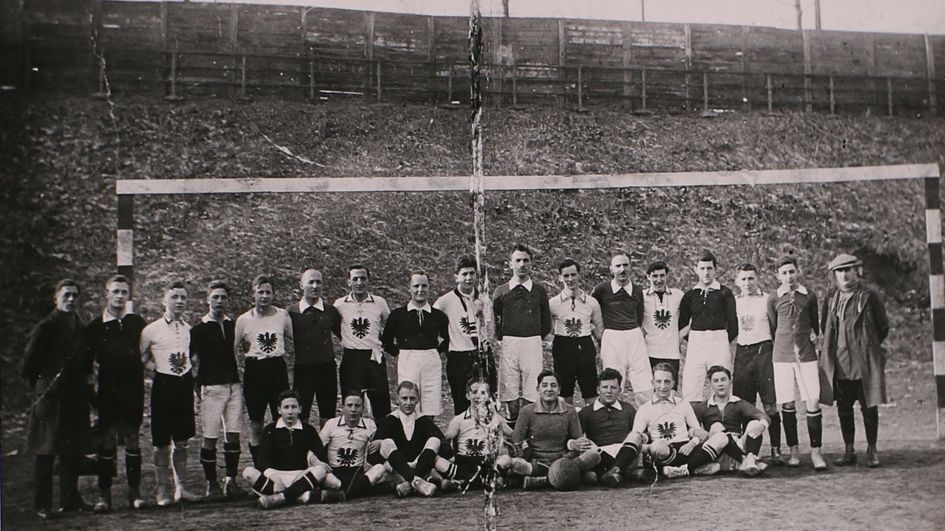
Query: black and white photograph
x=472, y=264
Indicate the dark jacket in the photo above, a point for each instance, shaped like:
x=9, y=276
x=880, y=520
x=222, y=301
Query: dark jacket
x=870, y=328
x=56, y=368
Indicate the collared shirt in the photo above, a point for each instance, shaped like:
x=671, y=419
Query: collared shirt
x=304, y=305
x=212, y=343
x=115, y=344
x=606, y=425
x=547, y=432
x=107, y=316
x=661, y=323
x=415, y=328
x=347, y=446
x=286, y=447
x=408, y=422
x=734, y=414
x=280, y=424
x=621, y=306
x=263, y=336
x=169, y=344
x=362, y=321
x=521, y=310
x=575, y=316
x=467, y=315
x=793, y=317
x=669, y=419
x=469, y=436
x=709, y=307
x=753, y=326
x=527, y=284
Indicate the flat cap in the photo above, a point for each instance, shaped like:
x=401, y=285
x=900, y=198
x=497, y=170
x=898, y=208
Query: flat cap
x=844, y=260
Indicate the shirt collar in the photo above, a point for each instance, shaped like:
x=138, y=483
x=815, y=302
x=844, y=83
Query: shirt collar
x=281, y=424
x=106, y=316
x=527, y=284
x=403, y=416
x=672, y=399
x=712, y=402
x=207, y=319
x=617, y=287
x=742, y=294
x=582, y=297
x=782, y=290
x=616, y=405
x=350, y=298
x=651, y=291
x=303, y=305
x=169, y=321
x=426, y=307
x=343, y=423
x=714, y=286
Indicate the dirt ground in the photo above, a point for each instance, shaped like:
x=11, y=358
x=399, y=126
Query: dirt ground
x=905, y=493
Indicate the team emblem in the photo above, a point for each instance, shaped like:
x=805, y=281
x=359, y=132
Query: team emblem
x=267, y=342
x=573, y=326
x=662, y=318
x=347, y=456
x=177, y=361
x=475, y=446
x=469, y=327
x=747, y=322
x=360, y=327
x=667, y=430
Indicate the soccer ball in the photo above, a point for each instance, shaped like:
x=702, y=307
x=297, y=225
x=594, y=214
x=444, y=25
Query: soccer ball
x=564, y=474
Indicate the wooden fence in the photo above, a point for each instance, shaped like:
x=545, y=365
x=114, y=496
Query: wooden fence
x=178, y=49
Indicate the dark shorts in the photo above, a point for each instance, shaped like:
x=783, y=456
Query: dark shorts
x=753, y=373
x=172, y=409
x=263, y=380
x=121, y=410
x=575, y=361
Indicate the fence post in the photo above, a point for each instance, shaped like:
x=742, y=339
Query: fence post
x=378, y=81
x=808, y=103
x=643, y=89
x=930, y=75
x=580, y=88
x=514, y=85
x=311, y=74
x=705, y=92
x=833, y=100
x=101, y=78
x=688, y=30
x=242, y=95
x=173, y=95
x=889, y=97
x=769, y=88
x=449, y=85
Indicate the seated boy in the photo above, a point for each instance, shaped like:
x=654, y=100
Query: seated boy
x=347, y=438
x=291, y=459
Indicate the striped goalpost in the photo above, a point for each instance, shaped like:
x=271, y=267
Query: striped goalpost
x=127, y=189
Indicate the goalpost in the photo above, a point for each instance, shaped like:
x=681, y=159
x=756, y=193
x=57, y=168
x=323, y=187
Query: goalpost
x=127, y=189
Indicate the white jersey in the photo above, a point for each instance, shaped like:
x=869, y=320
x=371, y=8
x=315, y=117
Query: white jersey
x=469, y=318
x=347, y=447
x=752, y=313
x=362, y=322
x=263, y=337
x=661, y=323
x=669, y=420
x=169, y=344
x=470, y=437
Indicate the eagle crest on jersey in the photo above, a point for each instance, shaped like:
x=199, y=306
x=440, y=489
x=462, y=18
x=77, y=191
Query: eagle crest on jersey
x=347, y=456
x=667, y=430
x=747, y=322
x=360, y=327
x=475, y=446
x=177, y=361
x=662, y=318
x=267, y=342
x=573, y=326
x=469, y=327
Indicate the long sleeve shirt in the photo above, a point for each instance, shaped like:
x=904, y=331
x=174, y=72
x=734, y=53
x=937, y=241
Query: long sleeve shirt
x=547, y=432
x=607, y=424
x=396, y=426
x=734, y=415
x=793, y=316
x=211, y=344
x=521, y=310
x=576, y=316
x=711, y=308
x=312, y=327
x=621, y=306
x=412, y=328
x=287, y=448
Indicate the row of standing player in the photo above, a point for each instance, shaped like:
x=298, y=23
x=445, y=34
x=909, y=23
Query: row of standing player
x=522, y=315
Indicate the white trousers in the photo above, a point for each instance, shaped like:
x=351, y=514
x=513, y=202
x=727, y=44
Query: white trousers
x=706, y=348
x=423, y=367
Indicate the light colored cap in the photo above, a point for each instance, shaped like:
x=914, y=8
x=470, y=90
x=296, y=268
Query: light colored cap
x=844, y=260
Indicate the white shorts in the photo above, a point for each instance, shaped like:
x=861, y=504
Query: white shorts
x=805, y=374
x=221, y=409
x=625, y=352
x=520, y=363
x=423, y=367
x=706, y=348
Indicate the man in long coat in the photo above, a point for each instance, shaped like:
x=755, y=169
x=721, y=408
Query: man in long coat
x=853, y=362
x=60, y=376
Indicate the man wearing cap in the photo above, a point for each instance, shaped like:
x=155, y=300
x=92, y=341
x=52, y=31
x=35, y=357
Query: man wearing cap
x=853, y=362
